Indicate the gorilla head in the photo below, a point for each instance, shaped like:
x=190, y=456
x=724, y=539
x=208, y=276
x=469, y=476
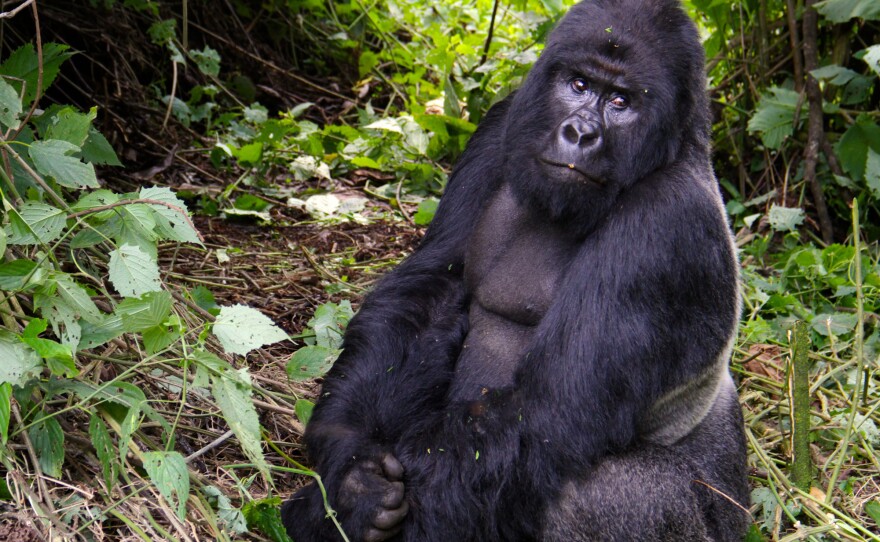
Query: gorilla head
x=618, y=93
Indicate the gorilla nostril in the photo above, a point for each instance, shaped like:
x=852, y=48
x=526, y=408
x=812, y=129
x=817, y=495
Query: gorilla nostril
x=571, y=134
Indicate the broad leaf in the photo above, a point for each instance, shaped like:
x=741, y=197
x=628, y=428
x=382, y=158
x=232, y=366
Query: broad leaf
x=20, y=363
x=133, y=272
x=171, y=222
x=104, y=449
x=70, y=125
x=54, y=158
x=35, y=223
x=785, y=218
x=47, y=438
x=149, y=310
x=872, y=57
x=852, y=149
x=840, y=11
x=167, y=471
x=311, y=362
x=24, y=65
x=242, y=329
x=10, y=105
x=774, y=116
x=232, y=391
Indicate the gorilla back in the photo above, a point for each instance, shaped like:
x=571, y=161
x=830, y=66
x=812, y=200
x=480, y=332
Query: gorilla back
x=551, y=363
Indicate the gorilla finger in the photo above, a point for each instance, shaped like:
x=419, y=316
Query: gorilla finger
x=379, y=535
x=393, y=495
x=388, y=519
x=392, y=467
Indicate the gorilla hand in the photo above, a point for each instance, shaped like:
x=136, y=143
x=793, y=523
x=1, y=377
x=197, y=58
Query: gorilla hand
x=373, y=495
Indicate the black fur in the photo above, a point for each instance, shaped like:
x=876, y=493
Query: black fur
x=550, y=364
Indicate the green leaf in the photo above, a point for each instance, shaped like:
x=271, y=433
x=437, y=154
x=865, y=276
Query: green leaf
x=872, y=172
x=303, y=409
x=133, y=272
x=35, y=223
x=774, y=116
x=97, y=150
x=96, y=334
x=23, y=65
x=427, y=208
x=231, y=516
x=167, y=471
x=10, y=105
x=104, y=449
x=159, y=337
x=171, y=223
x=833, y=324
x=47, y=438
x=836, y=75
x=232, y=391
x=20, y=363
x=18, y=274
x=873, y=509
x=59, y=357
x=852, y=148
x=264, y=515
x=329, y=322
x=208, y=60
x=872, y=58
x=149, y=310
x=54, y=158
x=785, y=218
x=76, y=297
x=840, y=11
x=311, y=362
x=242, y=329
x=71, y=126
x=5, y=411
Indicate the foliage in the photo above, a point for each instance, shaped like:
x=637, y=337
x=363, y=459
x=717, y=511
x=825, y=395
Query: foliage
x=79, y=271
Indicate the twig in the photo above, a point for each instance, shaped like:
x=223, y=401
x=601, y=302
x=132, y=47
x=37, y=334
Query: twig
x=489, y=37
x=13, y=12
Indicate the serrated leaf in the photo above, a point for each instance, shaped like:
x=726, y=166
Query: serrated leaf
x=54, y=158
x=171, y=223
x=76, y=297
x=144, y=312
x=5, y=411
x=47, y=438
x=70, y=125
x=104, y=449
x=303, y=409
x=133, y=272
x=242, y=329
x=20, y=363
x=785, y=218
x=774, y=116
x=207, y=59
x=311, y=362
x=34, y=223
x=158, y=338
x=427, y=209
x=329, y=322
x=840, y=11
x=10, y=105
x=233, y=396
x=24, y=65
x=96, y=334
x=167, y=471
x=265, y=516
x=231, y=516
x=873, y=509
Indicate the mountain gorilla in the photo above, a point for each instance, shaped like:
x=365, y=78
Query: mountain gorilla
x=551, y=363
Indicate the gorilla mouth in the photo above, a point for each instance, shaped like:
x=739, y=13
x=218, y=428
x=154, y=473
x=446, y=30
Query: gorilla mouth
x=571, y=166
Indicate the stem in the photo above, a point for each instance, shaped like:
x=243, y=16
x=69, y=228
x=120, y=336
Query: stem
x=860, y=357
x=799, y=406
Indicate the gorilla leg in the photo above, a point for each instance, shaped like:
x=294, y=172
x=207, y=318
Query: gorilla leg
x=660, y=493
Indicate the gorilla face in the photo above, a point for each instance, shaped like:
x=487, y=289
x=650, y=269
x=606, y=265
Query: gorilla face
x=617, y=94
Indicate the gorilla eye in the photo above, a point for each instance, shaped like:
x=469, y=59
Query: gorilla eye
x=619, y=101
x=579, y=85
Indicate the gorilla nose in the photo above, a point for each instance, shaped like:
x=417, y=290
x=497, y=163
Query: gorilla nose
x=578, y=132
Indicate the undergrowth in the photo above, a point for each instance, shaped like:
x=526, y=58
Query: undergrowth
x=118, y=380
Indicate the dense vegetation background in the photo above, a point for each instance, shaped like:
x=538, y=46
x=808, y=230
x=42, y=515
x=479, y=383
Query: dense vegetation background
x=195, y=194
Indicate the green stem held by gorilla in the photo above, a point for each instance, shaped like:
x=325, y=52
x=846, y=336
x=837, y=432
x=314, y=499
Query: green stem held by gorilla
x=551, y=363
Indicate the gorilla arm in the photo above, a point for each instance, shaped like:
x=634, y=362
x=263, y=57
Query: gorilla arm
x=399, y=349
x=648, y=308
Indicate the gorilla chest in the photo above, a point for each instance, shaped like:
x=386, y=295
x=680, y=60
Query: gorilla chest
x=514, y=265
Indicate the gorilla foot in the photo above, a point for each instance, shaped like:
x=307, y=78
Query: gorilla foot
x=373, y=490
